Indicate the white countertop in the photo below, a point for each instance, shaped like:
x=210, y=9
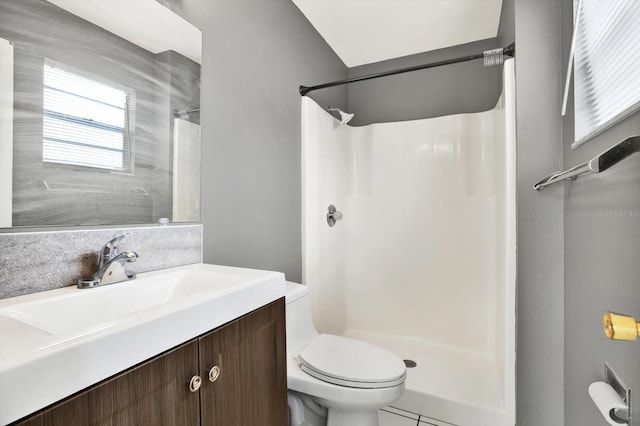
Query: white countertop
x=58, y=342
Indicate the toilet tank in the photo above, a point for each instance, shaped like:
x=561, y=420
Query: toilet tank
x=300, y=328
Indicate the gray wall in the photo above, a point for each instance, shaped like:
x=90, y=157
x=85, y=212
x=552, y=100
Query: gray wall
x=540, y=351
x=602, y=270
x=602, y=262
x=454, y=89
x=578, y=242
x=255, y=55
x=507, y=26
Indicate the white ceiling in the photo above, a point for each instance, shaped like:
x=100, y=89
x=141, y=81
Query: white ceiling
x=146, y=23
x=367, y=31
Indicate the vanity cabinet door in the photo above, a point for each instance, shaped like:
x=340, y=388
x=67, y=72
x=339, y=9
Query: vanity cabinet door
x=153, y=393
x=249, y=386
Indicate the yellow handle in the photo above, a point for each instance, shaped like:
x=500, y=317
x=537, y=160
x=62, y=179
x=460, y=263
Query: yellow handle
x=620, y=327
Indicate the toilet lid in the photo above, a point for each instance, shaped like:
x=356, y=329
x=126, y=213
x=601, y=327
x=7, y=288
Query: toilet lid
x=348, y=362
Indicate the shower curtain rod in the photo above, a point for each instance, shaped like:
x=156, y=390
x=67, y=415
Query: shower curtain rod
x=509, y=51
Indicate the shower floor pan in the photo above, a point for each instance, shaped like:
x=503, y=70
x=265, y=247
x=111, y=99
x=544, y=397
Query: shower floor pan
x=452, y=385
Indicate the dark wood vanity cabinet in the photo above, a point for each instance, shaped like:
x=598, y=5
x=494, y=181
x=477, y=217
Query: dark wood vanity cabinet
x=252, y=386
x=240, y=367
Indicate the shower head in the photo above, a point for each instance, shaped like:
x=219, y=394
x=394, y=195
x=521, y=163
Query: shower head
x=344, y=117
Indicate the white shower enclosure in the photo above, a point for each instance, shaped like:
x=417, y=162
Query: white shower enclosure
x=423, y=261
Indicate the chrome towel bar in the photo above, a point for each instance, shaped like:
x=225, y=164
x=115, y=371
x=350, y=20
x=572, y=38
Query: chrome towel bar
x=597, y=164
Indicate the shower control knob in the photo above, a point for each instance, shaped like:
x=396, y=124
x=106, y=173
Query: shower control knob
x=333, y=215
x=195, y=383
x=214, y=373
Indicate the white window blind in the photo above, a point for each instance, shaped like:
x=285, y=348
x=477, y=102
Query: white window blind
x=85, y=122
x=607, y=64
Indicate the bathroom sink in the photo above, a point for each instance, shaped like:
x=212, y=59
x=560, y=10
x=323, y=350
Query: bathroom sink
x=88, y=311
x=58, y=342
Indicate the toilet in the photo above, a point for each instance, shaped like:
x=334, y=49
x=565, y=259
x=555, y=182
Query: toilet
x=334, y=380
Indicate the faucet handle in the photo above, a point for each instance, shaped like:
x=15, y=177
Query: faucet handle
x=130, y=256
x=110, y=249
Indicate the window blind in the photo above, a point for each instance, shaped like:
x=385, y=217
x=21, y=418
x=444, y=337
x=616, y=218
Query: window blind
x=607, y=64
x=85, y=121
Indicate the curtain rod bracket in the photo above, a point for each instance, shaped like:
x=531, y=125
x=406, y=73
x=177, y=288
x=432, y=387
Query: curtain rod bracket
x=510, y=50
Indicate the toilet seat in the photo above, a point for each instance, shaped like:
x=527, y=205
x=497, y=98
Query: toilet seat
x=352, y=363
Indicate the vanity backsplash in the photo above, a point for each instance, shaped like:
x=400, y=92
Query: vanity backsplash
x=37, y=261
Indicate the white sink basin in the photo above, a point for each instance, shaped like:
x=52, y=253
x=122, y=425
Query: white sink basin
x=92, y=309
x=58, y=342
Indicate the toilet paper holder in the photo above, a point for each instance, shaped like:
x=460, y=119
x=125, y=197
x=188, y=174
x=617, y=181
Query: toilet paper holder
x=622, y=415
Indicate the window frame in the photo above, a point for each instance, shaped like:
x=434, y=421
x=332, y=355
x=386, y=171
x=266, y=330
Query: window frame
x=128, y=131
x=612, y=121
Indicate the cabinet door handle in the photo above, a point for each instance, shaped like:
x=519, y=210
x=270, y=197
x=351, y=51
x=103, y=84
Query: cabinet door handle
x=214, y=373
x=195, y=383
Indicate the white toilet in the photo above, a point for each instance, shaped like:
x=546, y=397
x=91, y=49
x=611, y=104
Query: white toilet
x=333, y=379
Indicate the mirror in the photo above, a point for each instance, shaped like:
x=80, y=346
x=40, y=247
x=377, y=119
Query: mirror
x=99, y=113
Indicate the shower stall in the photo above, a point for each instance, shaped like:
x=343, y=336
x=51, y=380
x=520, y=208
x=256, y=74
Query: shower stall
x=422, y=260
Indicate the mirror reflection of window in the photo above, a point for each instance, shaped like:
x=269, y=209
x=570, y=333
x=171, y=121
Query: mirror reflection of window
x=107, y=139
x=86, y=123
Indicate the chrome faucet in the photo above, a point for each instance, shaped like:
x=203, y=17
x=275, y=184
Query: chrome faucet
x=112, y=265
